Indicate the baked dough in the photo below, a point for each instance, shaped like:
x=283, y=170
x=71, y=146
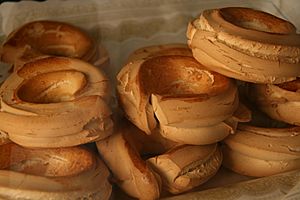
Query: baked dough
x=164, y=87
x=45, y=37
x=257, y=151
x=280, y=102
x=246, y=44
x=63, y=173
x=55, y=102
x=175, y=167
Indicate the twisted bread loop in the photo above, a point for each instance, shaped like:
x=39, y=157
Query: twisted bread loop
x=280, y=102
x=52, y=174
x=177, y=167
x=164, y=87
x=44, y=37
x=185, y=167
x=55, y=102
x=267, y=150
x=133, y=176
x=246, y=44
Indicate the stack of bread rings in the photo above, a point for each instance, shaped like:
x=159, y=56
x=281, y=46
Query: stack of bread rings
x=264, y=51
x=181, y=111
x=53, y=103
x=183, y=103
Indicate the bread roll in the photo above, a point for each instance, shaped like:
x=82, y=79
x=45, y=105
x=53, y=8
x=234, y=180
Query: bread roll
x=258, y=151
x=45, y=37
x=246, y=44
x=164, y=87
x=280, y=102
x=132, y=174
x=55, y=102
x=63, y=173
x=187, y=166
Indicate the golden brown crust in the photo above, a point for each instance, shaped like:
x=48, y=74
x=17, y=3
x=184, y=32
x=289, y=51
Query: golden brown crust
x=246, y=44
x=240, y=163
x=50, y=99
x=177, y=167
x=267, y=150
x=280, y=102
x=52, y=173
x=185, y=167
x=41, y=35
x=55, y=38
x=131, y=172
x=164, y=87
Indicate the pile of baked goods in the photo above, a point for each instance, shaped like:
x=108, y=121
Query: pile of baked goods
x=263, y=51
x=52, y=104
x=185, y=109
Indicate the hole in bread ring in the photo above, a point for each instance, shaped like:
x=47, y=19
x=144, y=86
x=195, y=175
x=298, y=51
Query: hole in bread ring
x=261, y=21
x=175, y=75
x=52, y=87
x=52, y=173
x=292, y=86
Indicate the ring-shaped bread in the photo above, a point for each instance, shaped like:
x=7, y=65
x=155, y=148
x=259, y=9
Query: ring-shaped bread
x=175, y=167
x=280, y=102
x=45, y=37
x=55, y=102
x=246, y=44
x=164, y=87
x=52, y=174
x=259, y=151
